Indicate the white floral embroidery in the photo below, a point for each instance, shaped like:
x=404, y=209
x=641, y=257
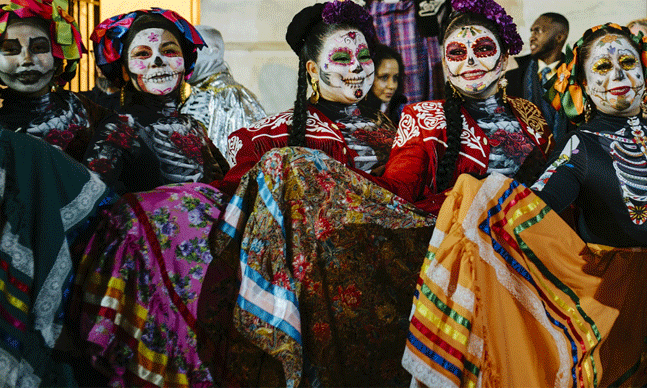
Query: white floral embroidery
x=471, y=140
x=407, y=130
x=234, y=144
x=276, y=120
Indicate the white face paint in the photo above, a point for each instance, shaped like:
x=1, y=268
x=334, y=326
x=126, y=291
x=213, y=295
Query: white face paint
x=26, y=60
x=155, y=61
x=346, y=69
x=614, y=76
x=473, y=60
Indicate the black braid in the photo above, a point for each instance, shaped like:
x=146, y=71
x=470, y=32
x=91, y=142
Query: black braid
x=454, y=120
x=310, y=51
x=298, y=133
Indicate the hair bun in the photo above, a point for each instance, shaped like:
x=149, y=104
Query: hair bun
x=301, y=24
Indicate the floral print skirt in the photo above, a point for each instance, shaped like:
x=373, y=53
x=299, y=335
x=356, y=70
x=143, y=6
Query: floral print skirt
x=140, y=279
x=321, y=265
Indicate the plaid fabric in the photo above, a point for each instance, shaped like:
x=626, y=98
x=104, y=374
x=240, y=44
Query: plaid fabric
x=395, y=24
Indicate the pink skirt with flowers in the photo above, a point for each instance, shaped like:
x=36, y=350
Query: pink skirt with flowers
x=141, y=276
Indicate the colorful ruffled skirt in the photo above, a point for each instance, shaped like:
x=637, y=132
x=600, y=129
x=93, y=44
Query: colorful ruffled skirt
x=510, y=296
x=140, y=280
x=322, y=265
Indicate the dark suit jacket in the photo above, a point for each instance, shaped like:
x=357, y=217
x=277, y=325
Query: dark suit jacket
x=519, y=86
x=515, y=77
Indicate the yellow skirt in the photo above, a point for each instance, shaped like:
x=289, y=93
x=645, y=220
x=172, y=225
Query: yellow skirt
x=510, y=296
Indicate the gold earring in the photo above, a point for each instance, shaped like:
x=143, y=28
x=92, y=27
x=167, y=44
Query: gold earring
x=122, y=95
x=643, y=105
x=183, y=96
x=455, y=92
x=314, y=98
x=503, y=84
x=587, y=111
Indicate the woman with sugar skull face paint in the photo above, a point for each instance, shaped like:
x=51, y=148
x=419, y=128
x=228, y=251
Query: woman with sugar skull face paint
x=336, y=68
x=149, y=54
x=159, y=253
x=602, y=168
x=33, y=64
x=528, y=300
x=476, y=130
x=327, y=254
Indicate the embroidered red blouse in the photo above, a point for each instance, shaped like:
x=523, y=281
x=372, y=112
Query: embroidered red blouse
x=246, y=146
x=421, y=143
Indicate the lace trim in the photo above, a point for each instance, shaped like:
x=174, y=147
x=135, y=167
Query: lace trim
x=81, y=206
x=14, y=373
x=22, y=258
x=50, y=297
x=423, y=373
x=517, y=289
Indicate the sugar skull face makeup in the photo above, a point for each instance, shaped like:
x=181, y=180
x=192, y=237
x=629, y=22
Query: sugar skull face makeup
x=26, y=60
x=473, y=60
x=346, y=69
x=155, y=61
x=614, y=76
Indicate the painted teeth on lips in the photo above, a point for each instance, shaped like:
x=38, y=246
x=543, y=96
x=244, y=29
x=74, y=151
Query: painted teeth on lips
x=161, y=77
x=353, y=81
x=620, y=91
x=473, y=74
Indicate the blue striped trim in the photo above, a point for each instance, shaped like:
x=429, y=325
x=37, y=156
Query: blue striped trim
x=277, y=292
x=485, y=227
x=226, y=227
x=269, y=318
x=435, y=357
x=271, y=204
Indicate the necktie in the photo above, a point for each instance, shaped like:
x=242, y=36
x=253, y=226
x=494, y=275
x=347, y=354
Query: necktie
x=544, y=75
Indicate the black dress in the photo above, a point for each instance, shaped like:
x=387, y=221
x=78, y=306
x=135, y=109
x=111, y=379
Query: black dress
x=150, y=145
x=602, y=169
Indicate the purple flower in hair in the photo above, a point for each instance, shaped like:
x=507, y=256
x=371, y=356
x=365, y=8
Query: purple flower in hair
x=494, y=12
x=338, y=12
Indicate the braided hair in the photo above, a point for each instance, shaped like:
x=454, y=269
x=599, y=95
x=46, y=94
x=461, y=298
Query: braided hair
x=310, y=51
x=453, y=101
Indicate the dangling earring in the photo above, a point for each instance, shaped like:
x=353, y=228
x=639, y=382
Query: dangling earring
x=314, y=98
x=503, y=84
x=587, y=111
x=122, y=96
x=455, y=93
x=643, y=105
x=183, y=96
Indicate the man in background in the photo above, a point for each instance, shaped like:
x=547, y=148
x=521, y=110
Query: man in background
x=548, y=35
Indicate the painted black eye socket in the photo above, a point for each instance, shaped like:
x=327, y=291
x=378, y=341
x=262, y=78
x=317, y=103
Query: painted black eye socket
x=9, y=49
x=485, y=48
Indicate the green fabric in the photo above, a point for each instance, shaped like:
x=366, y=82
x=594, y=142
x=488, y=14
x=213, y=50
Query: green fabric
x=45, y=197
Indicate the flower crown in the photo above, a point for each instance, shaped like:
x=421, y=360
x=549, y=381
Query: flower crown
x=339, y=12
x=564, y=90
x=63, y=31
x=495, y=13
